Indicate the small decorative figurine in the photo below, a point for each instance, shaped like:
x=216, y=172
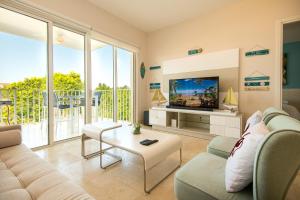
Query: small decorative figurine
x=230, y=101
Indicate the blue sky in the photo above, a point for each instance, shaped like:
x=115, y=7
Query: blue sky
x=22, y=57
x=188, y=86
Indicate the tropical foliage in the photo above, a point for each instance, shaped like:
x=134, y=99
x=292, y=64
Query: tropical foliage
x=30, y=98
x=124, y=102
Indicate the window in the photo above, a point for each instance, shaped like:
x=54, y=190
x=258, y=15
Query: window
x=68, y=78
x=124, y=85
x=102, y=81
x=104, y=72
x=23, y=77
x=43, y=59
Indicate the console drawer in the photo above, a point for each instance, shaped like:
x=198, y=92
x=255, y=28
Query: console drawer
x=218, y=120
x=217, y=130
x=232, y=132
x=233, y=122
x=157, y=117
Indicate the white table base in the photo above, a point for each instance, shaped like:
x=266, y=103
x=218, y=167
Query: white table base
x=95, y=131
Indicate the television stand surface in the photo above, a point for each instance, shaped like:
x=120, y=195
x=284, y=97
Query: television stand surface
x=200, y=122
x=185, y=108
x=196, y=111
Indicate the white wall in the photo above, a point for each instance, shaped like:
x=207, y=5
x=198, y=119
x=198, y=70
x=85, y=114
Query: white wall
x=240, y=25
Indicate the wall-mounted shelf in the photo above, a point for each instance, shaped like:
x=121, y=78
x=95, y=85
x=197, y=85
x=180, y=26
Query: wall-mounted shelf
x=205, y=61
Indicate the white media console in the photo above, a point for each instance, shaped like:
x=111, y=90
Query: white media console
x=196, y=122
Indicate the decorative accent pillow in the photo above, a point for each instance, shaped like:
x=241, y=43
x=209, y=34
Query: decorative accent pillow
x=239, y=166
x=253, y=119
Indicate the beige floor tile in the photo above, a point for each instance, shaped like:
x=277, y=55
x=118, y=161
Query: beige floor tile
x=124, y=180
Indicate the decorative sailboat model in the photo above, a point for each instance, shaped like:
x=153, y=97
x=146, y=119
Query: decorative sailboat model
x=230, y=101
x=158, y=97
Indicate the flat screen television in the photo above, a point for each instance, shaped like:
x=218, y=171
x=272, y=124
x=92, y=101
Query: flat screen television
x=194, y=93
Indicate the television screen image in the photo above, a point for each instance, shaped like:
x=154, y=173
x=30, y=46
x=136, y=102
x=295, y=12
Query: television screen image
x=194, y=93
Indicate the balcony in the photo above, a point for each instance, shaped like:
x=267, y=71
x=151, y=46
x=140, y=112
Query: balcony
x=30, y=109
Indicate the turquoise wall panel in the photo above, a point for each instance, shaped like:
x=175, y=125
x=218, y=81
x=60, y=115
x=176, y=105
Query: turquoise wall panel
x=293, y=64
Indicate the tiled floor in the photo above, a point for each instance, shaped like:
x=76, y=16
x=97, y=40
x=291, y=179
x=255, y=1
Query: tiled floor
x=124, y=180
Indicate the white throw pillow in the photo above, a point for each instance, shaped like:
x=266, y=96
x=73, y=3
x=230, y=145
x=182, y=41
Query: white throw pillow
x=254, y=119
x=239, y=166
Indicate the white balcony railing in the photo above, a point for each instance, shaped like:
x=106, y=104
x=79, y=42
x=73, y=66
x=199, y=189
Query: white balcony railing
x=30, y=109
x=31, y=106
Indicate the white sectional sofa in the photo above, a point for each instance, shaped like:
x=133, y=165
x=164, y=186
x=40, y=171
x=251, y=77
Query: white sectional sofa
x=24, y=175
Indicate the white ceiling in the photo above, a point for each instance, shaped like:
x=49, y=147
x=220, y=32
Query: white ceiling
x=151, y=15
x=21, y=25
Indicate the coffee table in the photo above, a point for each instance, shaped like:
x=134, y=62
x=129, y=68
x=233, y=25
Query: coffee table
x=152, y=155
x=95, y=131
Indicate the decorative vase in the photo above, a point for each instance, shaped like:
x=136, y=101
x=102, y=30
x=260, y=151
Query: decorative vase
x=136, y=129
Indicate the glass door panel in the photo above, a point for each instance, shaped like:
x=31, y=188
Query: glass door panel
x=102, y=73
x=124, y=85
x=68, y=80
x=23, y=76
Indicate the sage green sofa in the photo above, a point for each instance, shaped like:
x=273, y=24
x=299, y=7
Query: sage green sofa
x=222, y=145
x=277, y=162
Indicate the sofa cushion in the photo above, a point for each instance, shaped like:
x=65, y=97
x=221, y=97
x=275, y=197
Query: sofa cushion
x=2, y=165
x=204, y=178
x=26, y=164
x=239, y=166
x=255, y=118
x=45, y=183
x=18, y=160
x=24, y=175
x=33, y=173
x=16, y=194
x=9, y=183
x=272, y=112
x=221, y=146
x=64, y=191
x=8, y=153
x=6, y=173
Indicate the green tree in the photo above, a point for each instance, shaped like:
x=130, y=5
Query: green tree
x=103, y=86
x=67, y=82
x=123, y=103
x=31, y=105
x=29, y=94
x=106, y=103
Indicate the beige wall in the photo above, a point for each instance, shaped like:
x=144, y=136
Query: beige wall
x=84, y=12
x=241, y=25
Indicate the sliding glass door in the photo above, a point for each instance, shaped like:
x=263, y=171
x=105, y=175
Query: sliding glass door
x=42, y=61
x=68, y=83
x=124, y=85
x=23, y=76
x=111, y=73
x=102, y=81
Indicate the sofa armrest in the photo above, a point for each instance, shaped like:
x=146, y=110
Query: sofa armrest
x=221, y=146
x=10, y=136
x=11, y=127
